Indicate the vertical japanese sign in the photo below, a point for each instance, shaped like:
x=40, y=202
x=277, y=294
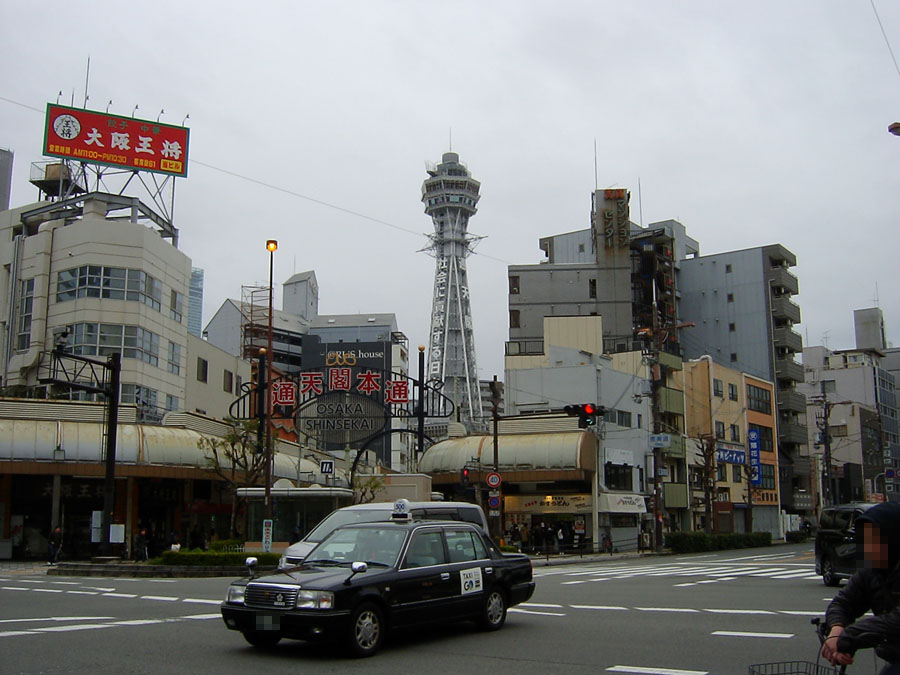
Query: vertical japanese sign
x=125, y=142
x=267, y=535
x=753, y=442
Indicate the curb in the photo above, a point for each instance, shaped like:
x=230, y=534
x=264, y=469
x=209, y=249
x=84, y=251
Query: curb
x=138, y=570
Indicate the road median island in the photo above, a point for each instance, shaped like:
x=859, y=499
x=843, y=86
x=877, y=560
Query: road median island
x=170, y=564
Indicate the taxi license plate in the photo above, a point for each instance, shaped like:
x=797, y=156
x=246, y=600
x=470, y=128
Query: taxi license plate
x=266, y=622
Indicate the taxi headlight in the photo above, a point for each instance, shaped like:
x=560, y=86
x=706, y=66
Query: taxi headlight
x=235, y=595
x=315, y=600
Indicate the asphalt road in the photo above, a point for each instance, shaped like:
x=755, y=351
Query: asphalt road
x=672, y=615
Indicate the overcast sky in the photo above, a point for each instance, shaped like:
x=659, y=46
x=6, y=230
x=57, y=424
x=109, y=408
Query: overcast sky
x=752, y=123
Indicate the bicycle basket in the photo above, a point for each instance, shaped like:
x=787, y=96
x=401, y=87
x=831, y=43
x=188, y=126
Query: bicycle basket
x=792, y=668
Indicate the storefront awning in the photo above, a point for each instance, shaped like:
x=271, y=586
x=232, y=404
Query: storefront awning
x=622, y=502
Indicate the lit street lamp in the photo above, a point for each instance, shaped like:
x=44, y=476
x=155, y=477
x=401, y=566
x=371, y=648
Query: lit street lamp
x=271, y=247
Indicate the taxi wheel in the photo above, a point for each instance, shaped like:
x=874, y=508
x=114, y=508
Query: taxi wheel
x=494, y=613
x=828, y=576
x=261, y=640
x=366, y=629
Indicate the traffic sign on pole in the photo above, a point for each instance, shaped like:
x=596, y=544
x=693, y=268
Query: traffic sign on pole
x=494, y=502
x=493, y=479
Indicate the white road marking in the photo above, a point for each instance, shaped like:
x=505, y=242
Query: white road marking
x=612, y=607
x=734, y=633
x=13, y=633
x=77, y=626
x=203, y=601
x=58, y=618
x=82, y=592
x=686, y=610
x=121, y=595
x=540, y=604
x=799, y=612
x=739, y=611
x=529, y=611
x=201, y=617
x=14, y=588
x=138, y=622
x=101, y=589
x=654, y=671
x=166, y=598
x=66, y=583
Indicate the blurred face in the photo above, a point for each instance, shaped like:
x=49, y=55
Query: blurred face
x=875, y=547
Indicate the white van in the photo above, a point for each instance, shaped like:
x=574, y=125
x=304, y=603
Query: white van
x=371, y=513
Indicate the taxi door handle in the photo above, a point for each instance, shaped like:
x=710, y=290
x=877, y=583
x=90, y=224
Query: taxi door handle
x=445, y=576
x=488, y=570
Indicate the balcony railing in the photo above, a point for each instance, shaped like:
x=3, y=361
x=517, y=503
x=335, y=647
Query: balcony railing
x=791, y=432
x=788, y=369
x=791, y=399
x=788, y=339
x=783, y=308
x=781, y=277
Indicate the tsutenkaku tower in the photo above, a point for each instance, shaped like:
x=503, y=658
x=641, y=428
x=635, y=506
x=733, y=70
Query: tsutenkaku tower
x=450, y=196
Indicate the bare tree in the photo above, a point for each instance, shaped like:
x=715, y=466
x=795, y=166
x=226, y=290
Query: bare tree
x=708, y=478
x=366, y=487
x=235, y=459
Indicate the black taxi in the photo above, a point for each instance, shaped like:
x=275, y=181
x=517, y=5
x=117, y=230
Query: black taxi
x=363, y=580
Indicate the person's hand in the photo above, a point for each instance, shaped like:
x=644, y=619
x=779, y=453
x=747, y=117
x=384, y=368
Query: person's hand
x=830, y=651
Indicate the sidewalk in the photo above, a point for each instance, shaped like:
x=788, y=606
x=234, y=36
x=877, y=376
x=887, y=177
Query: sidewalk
x=574, y=558
x=23, y=567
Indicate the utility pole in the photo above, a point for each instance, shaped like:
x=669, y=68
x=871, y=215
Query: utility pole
x=496, y=397
x=822, y=424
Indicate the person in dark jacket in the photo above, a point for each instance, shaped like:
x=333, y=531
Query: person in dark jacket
x=875, y=587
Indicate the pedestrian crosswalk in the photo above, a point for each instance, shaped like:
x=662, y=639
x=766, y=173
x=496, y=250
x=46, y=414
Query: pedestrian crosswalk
x=692, y=573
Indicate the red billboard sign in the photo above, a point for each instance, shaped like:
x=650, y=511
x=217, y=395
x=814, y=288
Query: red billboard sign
x=125, y=142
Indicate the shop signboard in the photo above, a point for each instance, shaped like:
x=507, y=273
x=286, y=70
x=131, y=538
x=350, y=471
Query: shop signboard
x=100, y=138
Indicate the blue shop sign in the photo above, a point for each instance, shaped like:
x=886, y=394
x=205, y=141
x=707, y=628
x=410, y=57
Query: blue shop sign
x=730, y=455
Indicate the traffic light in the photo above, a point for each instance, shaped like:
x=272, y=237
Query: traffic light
x=464, y=477
x=586, y=413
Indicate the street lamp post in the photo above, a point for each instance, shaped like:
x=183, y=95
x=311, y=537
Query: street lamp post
x=271, y=247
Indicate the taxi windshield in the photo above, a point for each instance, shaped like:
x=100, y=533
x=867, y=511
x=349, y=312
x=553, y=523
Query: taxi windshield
x=343, y=517
x=373, y=545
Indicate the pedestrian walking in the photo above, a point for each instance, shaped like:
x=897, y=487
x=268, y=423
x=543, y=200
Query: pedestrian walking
x=54, y=546
x=140, y=545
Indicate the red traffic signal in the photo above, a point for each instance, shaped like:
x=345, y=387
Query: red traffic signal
x=586, y=413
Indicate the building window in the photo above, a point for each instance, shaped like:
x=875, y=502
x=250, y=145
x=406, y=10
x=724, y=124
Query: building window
x=730, y=297
x=26, y=307
x=721, y=475
x=228, y=381
x=143, y=397
x=172, y=402
x=733, y=357
x=132, y=342
x=623, y=418
x=114, y=283
x=238, y=382
x=513, y=318
x=514, y=285
x=767, y=473
x=732, y=391
x=618, y=476
x=581, y=248
x=759, y=399
x=592, y=288
x=766, y=442
x=732, y=328
x=735, y=433
x=202, y=369
x=174, y=360
x=736, y=473
x=728, y=269
x=718, y=388
x=176, y=306
x=720, y=429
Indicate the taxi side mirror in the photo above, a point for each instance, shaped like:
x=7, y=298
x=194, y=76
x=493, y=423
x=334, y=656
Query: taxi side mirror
x=357, y=567
x=251, y=563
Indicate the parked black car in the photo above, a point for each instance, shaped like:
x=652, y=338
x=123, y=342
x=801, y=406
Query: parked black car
x=363, y=580
x=836, y=556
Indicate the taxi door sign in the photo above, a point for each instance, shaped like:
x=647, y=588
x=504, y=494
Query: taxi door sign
x=267, y=535
x=470, y=581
